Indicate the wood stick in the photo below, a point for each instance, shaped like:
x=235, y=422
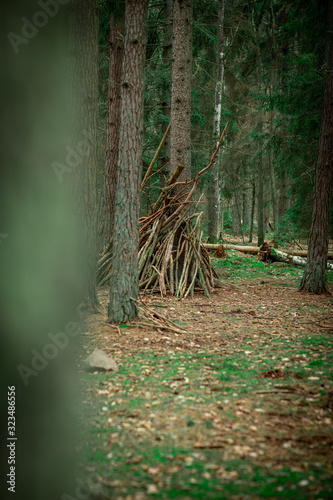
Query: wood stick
x=167, y=321
x=150, y=168
x=196, y=178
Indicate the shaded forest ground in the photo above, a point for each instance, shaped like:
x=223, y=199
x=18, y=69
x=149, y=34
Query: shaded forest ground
x=240, y=406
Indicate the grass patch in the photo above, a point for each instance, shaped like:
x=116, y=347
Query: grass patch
x=248, y=268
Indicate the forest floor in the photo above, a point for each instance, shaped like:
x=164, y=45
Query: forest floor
x=240, y=406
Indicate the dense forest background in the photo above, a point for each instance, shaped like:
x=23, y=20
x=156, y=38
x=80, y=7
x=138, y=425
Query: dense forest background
x=274, y=66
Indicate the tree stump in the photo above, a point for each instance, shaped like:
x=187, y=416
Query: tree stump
x=265, y=253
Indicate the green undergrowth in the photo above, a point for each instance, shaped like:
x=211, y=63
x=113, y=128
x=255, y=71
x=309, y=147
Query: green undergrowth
x=242, y=268
x=142, y=424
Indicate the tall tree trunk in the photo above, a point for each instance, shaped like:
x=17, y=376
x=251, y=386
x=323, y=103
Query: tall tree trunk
x=236, y=214
x=246, y=207
x=181, y=88
x=117, y=30
x=261, y=228
x=214, y=208
x=273, y=185
x=314, y=278
x=124, y=274
x=260, y=216
x=222, y=207
x=166, y=86
x=84, y=71
x=282, y=194
x=271, y=117
x=246, y=197
x=252, y=207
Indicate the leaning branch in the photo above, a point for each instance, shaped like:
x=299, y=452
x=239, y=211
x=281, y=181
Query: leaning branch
x=151, y=166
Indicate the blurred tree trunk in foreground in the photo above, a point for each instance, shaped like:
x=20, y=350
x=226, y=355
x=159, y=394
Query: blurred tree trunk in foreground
x=84, y=74
x=117, y=28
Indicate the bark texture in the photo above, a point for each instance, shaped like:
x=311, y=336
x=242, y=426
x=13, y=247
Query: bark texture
x=236, y=213
x=282, y=209
x=124, y=274
x=252, y=208
x=282, y=195
x=261, y=227
x=84, y=77
x=260, y=213
x=246, y=196
x=246, y=207
x=181, y=89
x=271, y=118
x=214, y=205
x=314, y=278
x=117, y=31
x=166, y=87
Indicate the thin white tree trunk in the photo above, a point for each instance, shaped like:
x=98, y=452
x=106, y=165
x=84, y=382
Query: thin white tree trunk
x=214, y=185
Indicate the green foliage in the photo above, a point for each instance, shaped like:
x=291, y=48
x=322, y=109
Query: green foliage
x=294, y=96
x=297, y=104
x=287, y=229
x=227, y=220
x=240, y=269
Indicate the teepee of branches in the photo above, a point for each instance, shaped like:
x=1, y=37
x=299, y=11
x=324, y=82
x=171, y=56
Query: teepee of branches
x=172, y=258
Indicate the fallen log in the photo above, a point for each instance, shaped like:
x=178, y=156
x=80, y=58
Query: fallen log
x=298, y=261
x=269, y=253
x=219, y=248
x=254, y=250
x=303, y=253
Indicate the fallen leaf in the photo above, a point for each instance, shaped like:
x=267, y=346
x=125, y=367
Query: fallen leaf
x=151, y=489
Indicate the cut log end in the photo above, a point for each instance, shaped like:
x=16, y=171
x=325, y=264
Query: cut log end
x=220, y=251
x=265, y=253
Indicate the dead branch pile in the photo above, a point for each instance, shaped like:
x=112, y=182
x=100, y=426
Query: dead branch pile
x=152, y=318
x=172, y=258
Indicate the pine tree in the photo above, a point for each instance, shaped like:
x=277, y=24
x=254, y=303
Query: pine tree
x=124, y=274
x=181, y=88
x=314, y=277
x=166, y=85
